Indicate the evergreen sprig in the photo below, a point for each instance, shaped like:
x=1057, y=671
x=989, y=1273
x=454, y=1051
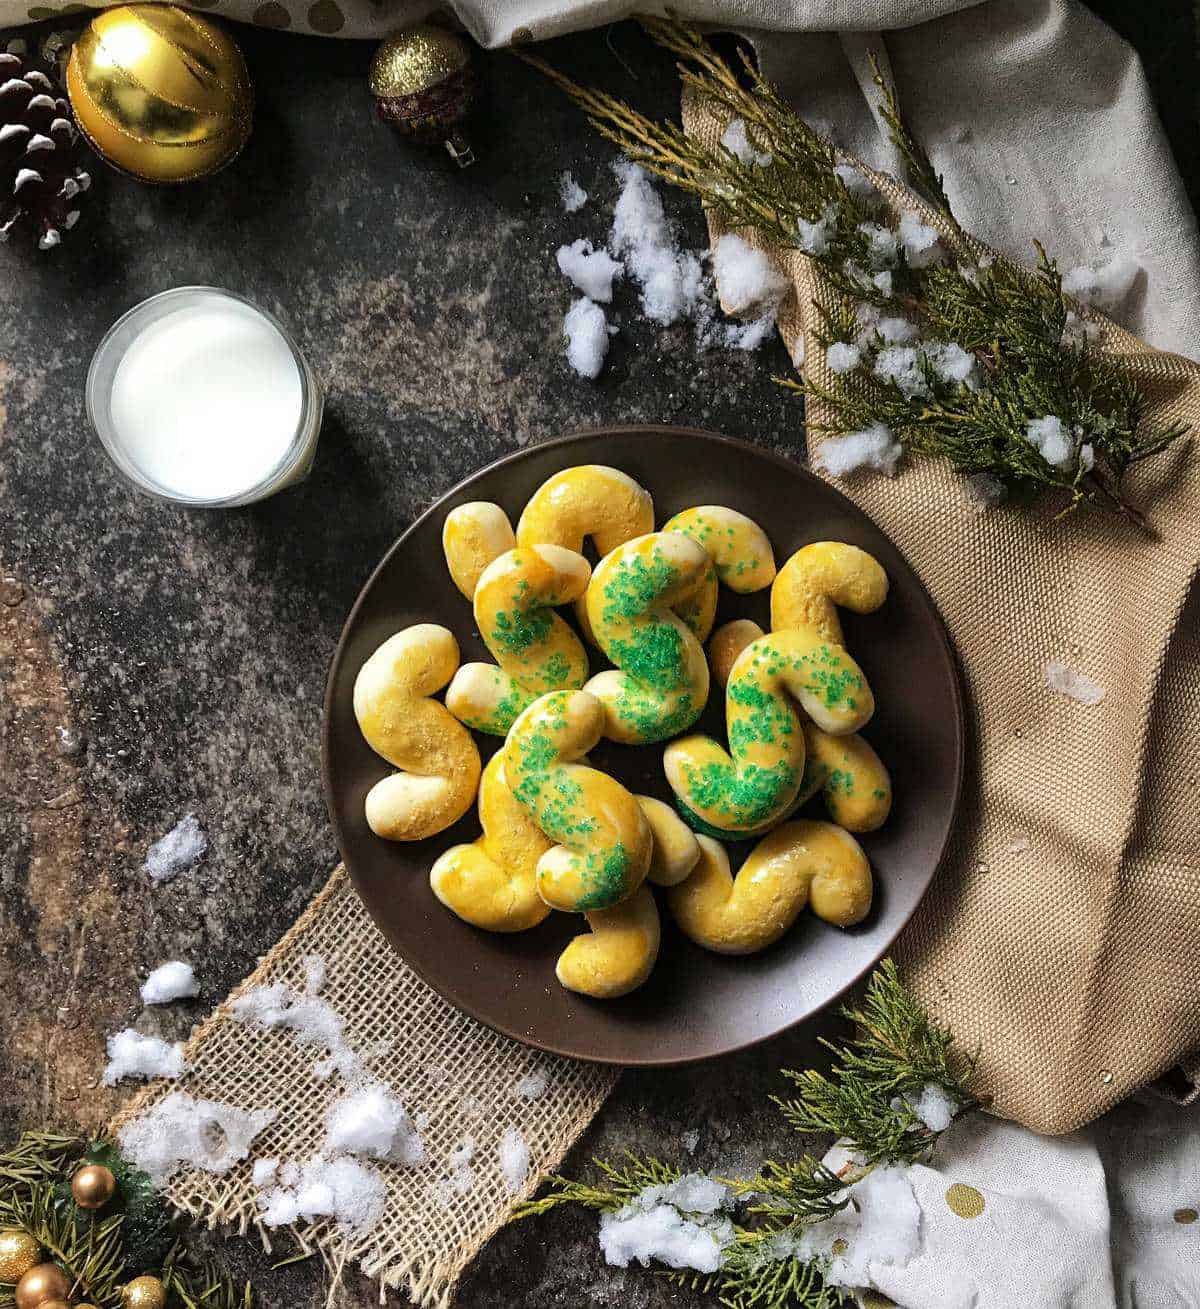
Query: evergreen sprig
x=866, y=1101
x=100, y=1251
x=1033, y=356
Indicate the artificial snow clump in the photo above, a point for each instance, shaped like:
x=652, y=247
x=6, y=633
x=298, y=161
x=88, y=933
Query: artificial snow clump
x=533, y=1085
x=934, y=1107
x=1104, y=287
x=880, y=1227
x=858, y=184
x=184, y=845
x=813, y=238
x=749, y=282
x=951, y=363
x=1049, y=437
x=349, y=1192
x=264, y=1172
x=310, y=1020
x=901, y=365
x=671, y=281
x=181, y=1130
x=895, y=330
x=591, y=270
x=874, y=448
x=680, y=1224
x=130, y=1054
x=843, y=357
x=737, y=141
x=586, y=332
x=514, y=1159
x=882, y=245
x=1073, y=684
x=920, y=241
x=170, y=981
x=371, y=1121
x=572, y=195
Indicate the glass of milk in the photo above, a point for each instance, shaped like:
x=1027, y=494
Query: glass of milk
x=203, y=398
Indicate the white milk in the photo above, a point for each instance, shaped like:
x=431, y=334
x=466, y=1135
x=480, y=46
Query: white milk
x=206, y=401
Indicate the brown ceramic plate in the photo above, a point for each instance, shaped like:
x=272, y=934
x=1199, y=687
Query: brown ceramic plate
x=696, y=1005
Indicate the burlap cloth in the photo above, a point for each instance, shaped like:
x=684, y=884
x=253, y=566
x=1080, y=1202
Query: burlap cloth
x=1074, y=964
x=460, y=1074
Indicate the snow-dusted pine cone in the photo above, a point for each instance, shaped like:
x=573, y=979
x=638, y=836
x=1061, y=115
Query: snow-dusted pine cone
x=41, y=182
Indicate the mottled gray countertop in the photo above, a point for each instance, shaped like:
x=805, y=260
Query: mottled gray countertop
x=190, y=649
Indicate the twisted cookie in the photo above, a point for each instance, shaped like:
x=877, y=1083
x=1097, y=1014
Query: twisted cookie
x=438, y=760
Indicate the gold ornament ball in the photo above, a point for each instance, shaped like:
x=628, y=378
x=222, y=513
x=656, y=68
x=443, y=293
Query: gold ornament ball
x=160, y=93
x=143, y=1293
x=93, y=1186
x=425, y=86
x=41, y=1283
x=55, y=1304
x=19, y=1252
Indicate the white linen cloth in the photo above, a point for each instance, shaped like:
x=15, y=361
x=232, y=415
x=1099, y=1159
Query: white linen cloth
x=1104, y=1218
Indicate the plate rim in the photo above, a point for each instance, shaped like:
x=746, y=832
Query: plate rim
x=733, y=444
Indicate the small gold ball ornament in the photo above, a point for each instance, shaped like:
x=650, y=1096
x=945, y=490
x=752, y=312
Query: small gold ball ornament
x=160, y=93
x=143, y=1293
x=425, y=86
x=54, y=1304
x=41, y=1283
x=93, y=1186
x=19, y=1252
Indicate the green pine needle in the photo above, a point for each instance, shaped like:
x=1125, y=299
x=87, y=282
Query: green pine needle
x=1012, y=320
x=896, y=1052
x=101, y=1251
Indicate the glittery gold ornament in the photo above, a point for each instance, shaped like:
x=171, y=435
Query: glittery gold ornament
x=19, y=1252
x=93, y=1186
x=162, y=94
x=41, y=1283
x=425, y=85
x=143, y=1293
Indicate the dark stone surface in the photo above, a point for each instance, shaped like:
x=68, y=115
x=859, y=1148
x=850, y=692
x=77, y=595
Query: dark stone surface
x=190, y=649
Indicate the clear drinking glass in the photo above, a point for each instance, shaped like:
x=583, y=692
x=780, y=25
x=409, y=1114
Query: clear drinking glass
x=295, y=455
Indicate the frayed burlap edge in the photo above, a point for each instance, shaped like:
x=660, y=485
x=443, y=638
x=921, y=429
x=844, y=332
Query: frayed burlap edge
x=441, y=1062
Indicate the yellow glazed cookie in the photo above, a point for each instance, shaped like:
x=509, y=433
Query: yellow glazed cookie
x=589, y=502
x=676, y=851
x=535, y=649
x=473, y=536
x=820, y=577
x=857, y=788
x=738, y=547
x=855, y=785
x=660, y=684
x=726, y=643
x=438, y=760
x=797, y=864
x=618, y=954
x=604, y=841
x=758, y=780
x=491, y=883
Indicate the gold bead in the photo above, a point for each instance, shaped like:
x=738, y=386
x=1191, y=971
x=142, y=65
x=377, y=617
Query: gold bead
x=161, y=94
x=19, y=1252
x=143, y=1293
x=415, y=60
x=41, y=1283
x=93, y=1186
